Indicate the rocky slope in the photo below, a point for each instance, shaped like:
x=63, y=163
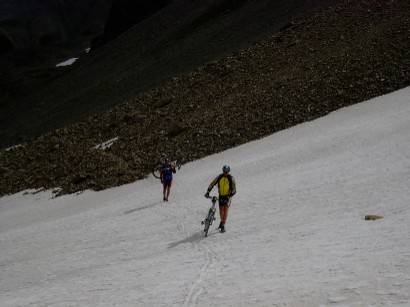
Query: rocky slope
x=334, y=58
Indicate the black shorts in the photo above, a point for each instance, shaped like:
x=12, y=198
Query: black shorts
x=224, y=201
x=167, y=183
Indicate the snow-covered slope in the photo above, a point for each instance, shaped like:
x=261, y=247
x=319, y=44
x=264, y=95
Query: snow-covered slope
x=296, y=233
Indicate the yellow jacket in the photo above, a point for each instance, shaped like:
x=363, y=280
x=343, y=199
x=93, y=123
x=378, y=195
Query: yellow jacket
x=226, y=185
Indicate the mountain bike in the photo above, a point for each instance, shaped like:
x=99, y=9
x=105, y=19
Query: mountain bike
x=210, y=217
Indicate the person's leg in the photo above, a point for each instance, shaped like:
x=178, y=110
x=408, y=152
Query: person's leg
x=168, y=190
x=224, y=214
x=169, y=183
x=163, y=190
x=220, y=215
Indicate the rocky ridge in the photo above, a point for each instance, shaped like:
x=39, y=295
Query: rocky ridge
x=343, y=55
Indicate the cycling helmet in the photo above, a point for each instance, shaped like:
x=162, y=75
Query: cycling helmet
x=226, y=168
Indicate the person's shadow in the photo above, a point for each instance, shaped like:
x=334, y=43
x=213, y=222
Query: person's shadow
x=196, y=237
x=141, y=208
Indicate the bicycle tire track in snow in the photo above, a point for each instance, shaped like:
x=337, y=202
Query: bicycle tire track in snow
x=197, y=287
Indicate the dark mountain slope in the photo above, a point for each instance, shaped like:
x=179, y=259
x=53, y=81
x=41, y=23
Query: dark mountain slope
x=173, y=41
x=124, y=14
x=348, y=53
x=32, y=30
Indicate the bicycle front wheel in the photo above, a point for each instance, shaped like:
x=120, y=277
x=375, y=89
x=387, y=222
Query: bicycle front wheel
x=208, y=222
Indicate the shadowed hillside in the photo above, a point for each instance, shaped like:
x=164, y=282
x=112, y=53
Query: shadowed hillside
x=34, y=31
x=345, y=54
x=173, y=41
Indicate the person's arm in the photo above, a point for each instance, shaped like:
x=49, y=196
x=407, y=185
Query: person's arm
x=213, y=183
x=233, y=191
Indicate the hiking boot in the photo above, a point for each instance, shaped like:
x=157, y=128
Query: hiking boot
x=223, y=228
x=220, y=225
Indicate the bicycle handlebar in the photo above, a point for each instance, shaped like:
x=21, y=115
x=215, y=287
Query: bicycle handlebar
x=214, y=198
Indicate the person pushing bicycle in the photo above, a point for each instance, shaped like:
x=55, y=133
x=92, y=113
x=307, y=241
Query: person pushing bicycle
x=226, y=189
x=166, y=171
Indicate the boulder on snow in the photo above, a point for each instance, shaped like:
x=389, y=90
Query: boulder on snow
x=372, y=217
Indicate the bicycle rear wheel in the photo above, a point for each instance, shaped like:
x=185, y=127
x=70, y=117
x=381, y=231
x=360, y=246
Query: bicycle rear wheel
x=156, y=171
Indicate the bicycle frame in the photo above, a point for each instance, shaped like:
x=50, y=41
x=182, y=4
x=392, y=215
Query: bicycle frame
x=210, y=218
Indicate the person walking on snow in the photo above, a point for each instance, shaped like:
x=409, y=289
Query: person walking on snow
x=226, y=189
x=165, y=174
